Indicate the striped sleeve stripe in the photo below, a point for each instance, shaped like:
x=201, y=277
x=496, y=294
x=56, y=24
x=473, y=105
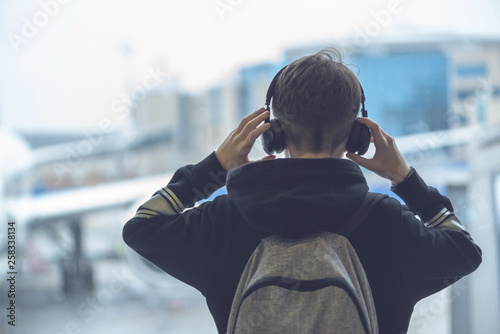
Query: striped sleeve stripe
x=157, y=205
x=148, y=211
x=162, y=203
x=169, y=201
x=175, y=198
x=447, y=221
x=441, y=221
x=467, y=234
x=143, y=215
x=438, y=218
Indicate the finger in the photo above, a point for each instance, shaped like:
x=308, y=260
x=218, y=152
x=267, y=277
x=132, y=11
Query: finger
x=251, y=125
x=252, y=136
x=248, y=118
x=375, y=129
x=358, y=159
x=249, y=141
x=369, y=122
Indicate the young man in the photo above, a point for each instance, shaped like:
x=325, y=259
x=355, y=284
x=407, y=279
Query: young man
x=316, y=99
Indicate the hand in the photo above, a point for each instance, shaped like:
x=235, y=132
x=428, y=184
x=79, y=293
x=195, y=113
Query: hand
x=387, y=162
x=233, y=152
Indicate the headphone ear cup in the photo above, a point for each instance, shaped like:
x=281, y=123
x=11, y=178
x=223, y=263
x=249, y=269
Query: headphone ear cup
x=364, y=139
x=267, y=141
x=273, y=140
x=279, y=136
x=359, y=139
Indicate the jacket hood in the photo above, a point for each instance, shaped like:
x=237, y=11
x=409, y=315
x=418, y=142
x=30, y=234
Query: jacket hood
x=296, y=197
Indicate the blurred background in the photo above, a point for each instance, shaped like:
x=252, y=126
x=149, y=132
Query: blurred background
x=100, y=102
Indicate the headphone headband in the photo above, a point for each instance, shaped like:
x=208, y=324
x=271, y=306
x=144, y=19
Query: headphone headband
x=272, y=86
x=364, y=112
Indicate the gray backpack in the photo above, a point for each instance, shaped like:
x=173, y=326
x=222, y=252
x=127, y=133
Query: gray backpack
x=315, y=284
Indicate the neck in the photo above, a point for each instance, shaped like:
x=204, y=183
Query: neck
x=293, y=153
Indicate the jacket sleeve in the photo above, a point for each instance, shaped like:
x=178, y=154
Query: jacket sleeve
x=173, y=238
x=436, y=249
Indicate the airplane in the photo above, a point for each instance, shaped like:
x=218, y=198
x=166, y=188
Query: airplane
x=63, y=209
x=66, y=208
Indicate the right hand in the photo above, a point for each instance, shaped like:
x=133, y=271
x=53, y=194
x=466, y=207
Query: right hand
x=387, y=162
x=233, y=152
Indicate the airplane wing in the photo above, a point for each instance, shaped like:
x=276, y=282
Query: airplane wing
x=79, y=201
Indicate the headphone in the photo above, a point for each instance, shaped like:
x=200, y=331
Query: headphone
x=273, y=140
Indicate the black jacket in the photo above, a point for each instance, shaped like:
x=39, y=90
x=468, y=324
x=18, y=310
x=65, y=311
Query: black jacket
x=208, y=246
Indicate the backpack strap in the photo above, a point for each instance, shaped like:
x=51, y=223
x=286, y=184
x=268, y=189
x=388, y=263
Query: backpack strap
x=369, y=202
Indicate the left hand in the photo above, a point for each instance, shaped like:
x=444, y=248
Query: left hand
x=388, y=162
x=233, y=152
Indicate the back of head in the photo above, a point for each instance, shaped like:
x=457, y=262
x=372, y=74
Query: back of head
x=317, y=99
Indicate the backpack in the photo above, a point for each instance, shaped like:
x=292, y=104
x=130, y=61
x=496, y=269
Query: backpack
x=315, y=284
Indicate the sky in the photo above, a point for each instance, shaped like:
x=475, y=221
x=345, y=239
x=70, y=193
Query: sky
x=65, y=63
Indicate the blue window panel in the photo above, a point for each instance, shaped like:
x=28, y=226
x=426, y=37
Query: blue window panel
x=475, y=70
x=250, y=77
x=496, y=91
x=215, y=97
x=481, y=112
x=406, y=92
x=466, y=93
x=185, y=111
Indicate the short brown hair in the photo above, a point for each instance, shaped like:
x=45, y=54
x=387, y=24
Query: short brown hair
x=317, y=99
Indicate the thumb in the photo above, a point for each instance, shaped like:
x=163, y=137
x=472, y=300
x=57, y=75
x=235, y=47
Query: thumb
x=357, y=159
x=269, y=157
